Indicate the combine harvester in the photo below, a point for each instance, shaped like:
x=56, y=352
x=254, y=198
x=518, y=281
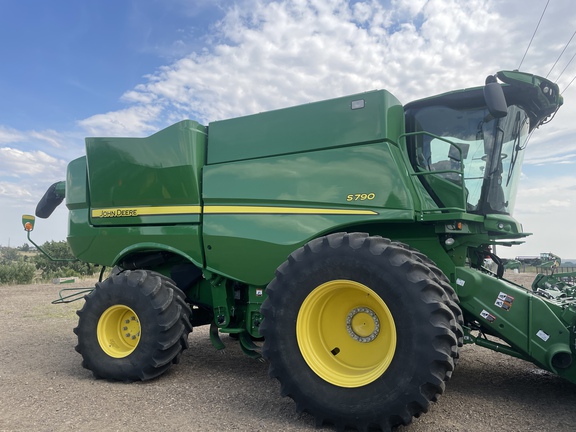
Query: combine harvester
x=349, y=233
x=544, y=260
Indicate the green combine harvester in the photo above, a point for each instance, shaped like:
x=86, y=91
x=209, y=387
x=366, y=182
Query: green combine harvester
x=348, y=234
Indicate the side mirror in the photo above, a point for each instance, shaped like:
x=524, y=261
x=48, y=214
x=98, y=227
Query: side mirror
x=494, y=98
x=28, y=222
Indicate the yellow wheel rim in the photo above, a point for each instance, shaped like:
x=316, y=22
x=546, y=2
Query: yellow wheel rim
x=346, y=333
x=118, y=331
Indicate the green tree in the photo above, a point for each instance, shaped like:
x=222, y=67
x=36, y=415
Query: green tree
x=9, y=255
x=54, y=269
x=14, y=268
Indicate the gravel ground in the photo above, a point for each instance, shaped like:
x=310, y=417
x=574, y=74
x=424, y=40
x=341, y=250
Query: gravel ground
x=43, y=386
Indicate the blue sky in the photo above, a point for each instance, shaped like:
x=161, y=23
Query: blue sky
x=72, y=69
x=66, y=60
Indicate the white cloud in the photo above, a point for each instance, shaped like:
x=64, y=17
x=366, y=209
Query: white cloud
x=546, y=206
x=12, y=190
x=50, y=136
x=549, y=160
x=24, y=177
x=18, y=163
x=13, y=136
x=542, y=196
x=275, y=54
x=280, y=53
x=8, y=135
x=133, y=121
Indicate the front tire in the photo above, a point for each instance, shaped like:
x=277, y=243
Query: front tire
x=451, y=300
x=133, y=326
x=358, y=332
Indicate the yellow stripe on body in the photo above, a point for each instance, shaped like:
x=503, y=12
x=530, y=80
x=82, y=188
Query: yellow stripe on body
x=114, y=212
x=282, y=210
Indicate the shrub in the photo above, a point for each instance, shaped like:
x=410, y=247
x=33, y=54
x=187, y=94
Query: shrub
x=18, y=272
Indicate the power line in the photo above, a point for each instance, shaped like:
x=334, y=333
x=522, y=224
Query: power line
x=565, y=46
x=535, y=30
x=565, y=67
x=566, y=88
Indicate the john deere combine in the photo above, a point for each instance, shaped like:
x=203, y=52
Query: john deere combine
x=349, y=233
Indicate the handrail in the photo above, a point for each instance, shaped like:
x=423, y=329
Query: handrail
x=459, y=172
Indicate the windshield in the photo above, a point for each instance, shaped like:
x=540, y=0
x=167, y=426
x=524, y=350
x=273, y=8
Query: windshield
x=467, y=152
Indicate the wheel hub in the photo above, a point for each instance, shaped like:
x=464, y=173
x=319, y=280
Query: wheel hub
x=362, y=324
x=118, y=331
x=343, y=343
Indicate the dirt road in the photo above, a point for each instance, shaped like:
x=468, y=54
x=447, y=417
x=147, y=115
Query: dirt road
x=43, y=386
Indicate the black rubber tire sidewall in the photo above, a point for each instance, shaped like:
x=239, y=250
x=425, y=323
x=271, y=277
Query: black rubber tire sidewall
x=423, y=352
x=164, y=321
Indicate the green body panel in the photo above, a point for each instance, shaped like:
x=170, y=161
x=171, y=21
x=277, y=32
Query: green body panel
x=108, y=245
x=240, y=247
x=156, y=178
x=366, y=178
x=319, y=178
x=126, y=175
x=76, y=185
x=361, y=118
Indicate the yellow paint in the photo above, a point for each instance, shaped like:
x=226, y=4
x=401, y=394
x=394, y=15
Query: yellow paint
x=282, y=210
x=346, y=333
x=118, y=331
x=115, y=212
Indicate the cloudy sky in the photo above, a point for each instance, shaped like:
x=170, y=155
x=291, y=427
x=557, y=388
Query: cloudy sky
x=71, y=69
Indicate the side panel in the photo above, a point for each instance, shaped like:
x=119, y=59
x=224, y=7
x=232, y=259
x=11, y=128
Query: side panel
x=76, y=184
x=106, y=245
x=138, y=194
x=154, y=180
x=257, y=212
x=362, y=118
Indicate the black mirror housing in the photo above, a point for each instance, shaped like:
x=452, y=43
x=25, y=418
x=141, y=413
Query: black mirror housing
x=495, y=99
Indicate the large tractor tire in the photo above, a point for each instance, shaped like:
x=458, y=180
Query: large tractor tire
x=452, y=299
x=359, y=332
x=133, y=326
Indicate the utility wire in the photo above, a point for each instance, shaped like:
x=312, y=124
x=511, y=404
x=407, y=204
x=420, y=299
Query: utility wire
x=565, y=46
x=566, y=88
x=565, y=67
x=535, y=30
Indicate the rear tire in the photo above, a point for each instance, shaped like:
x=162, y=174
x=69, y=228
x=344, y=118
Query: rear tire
x=358, y=332
x=133, y=326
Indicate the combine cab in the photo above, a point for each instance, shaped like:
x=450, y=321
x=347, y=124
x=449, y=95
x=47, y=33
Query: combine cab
x=350, y=234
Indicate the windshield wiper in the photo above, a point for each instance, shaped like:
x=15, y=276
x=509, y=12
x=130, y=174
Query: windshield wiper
x=517, y=148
